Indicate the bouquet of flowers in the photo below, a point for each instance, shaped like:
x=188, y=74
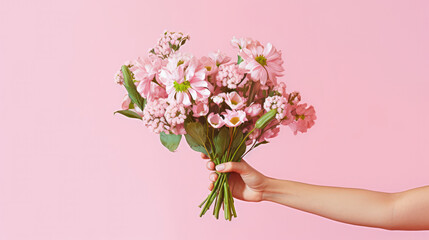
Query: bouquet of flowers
x=223, y=108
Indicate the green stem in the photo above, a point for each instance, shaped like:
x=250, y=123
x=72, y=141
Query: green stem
x=210, y=199
x=244, y=139
x=219, y=202
x=227, y=209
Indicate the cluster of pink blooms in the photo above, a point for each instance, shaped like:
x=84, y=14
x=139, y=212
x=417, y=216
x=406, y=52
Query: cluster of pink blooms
x=230, y=76
x=169, y=43
x=214, y=89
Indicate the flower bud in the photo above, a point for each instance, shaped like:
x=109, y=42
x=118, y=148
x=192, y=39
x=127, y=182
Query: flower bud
x=265, y=119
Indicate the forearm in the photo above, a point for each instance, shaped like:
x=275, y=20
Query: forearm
x=348, y=205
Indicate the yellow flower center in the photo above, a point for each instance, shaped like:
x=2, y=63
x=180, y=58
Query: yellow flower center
x=261, y=60
x=235, y=120
x=181, y=87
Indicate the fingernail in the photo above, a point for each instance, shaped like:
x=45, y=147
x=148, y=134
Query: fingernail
x=220, y=167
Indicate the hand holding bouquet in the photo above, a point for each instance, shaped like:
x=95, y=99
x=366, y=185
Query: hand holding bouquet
x=223, y=108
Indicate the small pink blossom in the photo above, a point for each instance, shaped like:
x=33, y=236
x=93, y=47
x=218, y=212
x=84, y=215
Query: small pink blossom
x=177, y=59
x=294, y=98
x=219, y=57
x=234, y=100
x=126, y=103
x=209, y=64
x=253, y=110
x=234, y=118
x=270, y=133
x=153, y=116
x=218, y=99
x=215, y=120
x=282, y=106
x=242, y=43
x=178, y=129
x=175, y=113
x=157, y=91
x=304, y=118
x=200, y=109
x=255, y=134
x=281, y=89
x=231, y=76
x=169, y=43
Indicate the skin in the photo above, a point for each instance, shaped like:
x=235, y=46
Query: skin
x=406, y=210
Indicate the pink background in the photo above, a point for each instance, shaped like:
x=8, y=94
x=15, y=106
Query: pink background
x=70, y=169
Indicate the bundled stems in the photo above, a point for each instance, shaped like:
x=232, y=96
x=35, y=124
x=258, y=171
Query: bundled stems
x=222, y=196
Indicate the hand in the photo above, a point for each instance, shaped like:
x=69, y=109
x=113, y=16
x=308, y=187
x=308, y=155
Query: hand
x=245, y=182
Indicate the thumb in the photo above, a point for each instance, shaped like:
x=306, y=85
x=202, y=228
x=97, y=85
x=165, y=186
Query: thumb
x=241, y=168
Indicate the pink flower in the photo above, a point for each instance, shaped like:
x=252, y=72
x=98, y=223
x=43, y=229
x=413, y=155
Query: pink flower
x=270, y=133
x=231, y=76
x=253, y=110
x=169, y=43
x=215, y=120
x=255, y=134
x=244, y=42
x=209, y=64
x=280, y=103
x=183, y=84
x=175, y=114
x=145, y=72
x=234, y=118
x=294, y=98
x=281, y=89
x=219, y=57
x=218, y=99
x=263, y=63
x=177, y=59
x=200, y=109
x=304, y=118
x=234, y=100
x=153, y=116
x=126, y=103
x=156, y=91
x=178, y=129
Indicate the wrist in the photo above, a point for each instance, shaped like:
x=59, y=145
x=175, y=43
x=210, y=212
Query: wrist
x=269, y=189
x=274, y=190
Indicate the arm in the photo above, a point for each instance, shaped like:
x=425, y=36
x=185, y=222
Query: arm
x=407, y=210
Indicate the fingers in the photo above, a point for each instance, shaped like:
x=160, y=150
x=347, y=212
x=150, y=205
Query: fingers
x=213, y=177
x=241, y=168
x=210, y=165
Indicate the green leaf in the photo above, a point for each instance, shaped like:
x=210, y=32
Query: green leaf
x=239, y=59
x=135, y=96
x=239, y=153
x=238, y=137
x=194, y=145
x=170, y=141
x=128, y=113
x=197, y=131
x=221, y=141
x=260, y=143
